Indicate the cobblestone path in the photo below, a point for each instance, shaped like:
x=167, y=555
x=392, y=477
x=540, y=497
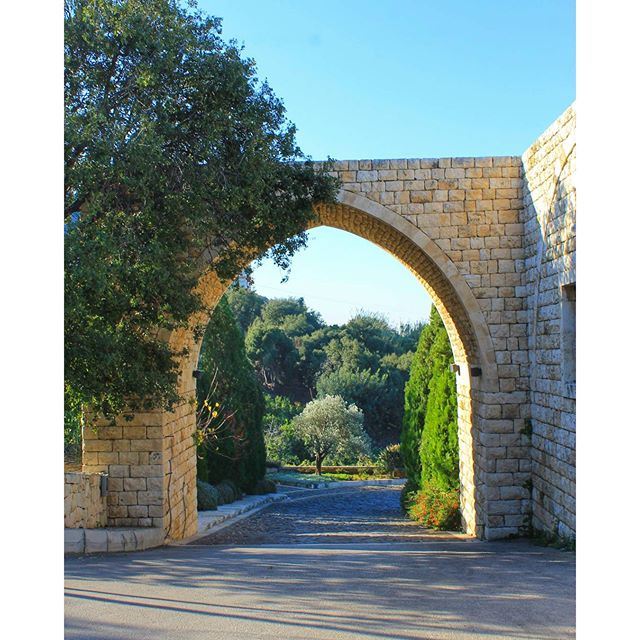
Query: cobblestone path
x=365, y=514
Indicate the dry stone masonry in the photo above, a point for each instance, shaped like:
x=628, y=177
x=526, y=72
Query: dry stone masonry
x=493, y=242
x=84, y=505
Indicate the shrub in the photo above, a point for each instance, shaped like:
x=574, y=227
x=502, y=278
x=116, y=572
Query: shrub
x=406, y=495
x=228, y=492
x=390, y=459
x=435, y=507
x=263, y=486
x=208, y=496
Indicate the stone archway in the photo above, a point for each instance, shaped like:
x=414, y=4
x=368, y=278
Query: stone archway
x=470, y=230
x=151, y=459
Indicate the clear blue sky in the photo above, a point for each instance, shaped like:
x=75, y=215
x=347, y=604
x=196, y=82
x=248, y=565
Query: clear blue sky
x=403, y=79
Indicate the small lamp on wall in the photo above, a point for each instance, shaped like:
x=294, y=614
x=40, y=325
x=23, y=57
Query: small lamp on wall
x=454, y=368
x=197, y=373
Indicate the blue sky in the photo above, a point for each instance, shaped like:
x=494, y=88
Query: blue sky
x=403, y=79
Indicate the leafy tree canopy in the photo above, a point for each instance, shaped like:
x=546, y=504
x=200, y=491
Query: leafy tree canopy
x=372, y=392
x=175, y=156
x=331, y=426
x=245, y=305
x=272, y=353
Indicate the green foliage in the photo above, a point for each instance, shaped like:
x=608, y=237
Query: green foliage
x=262, y=487
x=292, y=315
x=245, y=304
x=378, y=397
x=279, y=410
x=365, y=361
x=373, y=332
x=331, y=426
x=228, y=492
x=72, y=426
x=283, y=345
x=435, y=507
x=346, y=352
x=272, y=353
x=429, y=440
x=282, y=443
x=172, y=145
x=295, y=479
x=236, y=451
x=208, y=496
x=439, y=445
x=415, y=401
x=390, y=459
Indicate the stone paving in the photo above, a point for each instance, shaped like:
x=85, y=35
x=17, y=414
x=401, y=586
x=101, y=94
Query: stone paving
x=371, y=574
x=366, y=514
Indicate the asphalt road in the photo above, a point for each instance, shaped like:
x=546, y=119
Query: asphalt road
x=427, y=588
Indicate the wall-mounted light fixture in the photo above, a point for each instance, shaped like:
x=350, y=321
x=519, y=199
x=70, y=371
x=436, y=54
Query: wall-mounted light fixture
x=197, y=373
x=104, y=479
x=454, y=368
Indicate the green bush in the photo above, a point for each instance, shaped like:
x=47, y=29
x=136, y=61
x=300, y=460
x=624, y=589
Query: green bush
x=208, y=496
x=435, y=507
x=228, y=492
x=263, y=486
x=390, y=460
x=406, y=495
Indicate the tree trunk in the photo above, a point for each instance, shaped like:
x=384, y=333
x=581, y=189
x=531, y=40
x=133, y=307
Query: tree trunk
x=319, y=460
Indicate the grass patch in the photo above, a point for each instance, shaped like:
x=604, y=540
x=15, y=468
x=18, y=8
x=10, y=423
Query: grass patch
x=299, y=479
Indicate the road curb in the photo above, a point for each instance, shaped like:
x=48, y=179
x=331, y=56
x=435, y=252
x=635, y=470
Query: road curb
x=119, y=539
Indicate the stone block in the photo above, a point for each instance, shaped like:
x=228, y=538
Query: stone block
x=119, y=470
x=74, y=540
x=148, y=444
x=95, y=540
x=135, y=484
x=146, y=471
x=138, y=511
x=110, y=433
x=149, y=498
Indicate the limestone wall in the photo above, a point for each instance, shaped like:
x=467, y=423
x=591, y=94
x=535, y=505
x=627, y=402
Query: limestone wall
x=471, y=209
x=493, y=241
x=549, y=216
x=131, y=453
x=84, y=506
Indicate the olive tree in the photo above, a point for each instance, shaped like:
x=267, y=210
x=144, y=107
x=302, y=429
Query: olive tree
x=330, y=426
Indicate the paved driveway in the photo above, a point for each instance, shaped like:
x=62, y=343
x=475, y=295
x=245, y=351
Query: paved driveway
x=427, y=587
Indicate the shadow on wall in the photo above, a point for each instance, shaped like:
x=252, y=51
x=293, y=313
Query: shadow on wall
x=551, y=273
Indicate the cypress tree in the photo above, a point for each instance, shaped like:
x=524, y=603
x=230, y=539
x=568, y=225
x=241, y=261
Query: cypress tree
x=238, y=451
x=415, y=402
x=439, y=442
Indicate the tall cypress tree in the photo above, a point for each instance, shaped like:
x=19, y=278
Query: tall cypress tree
x=415, y=402
x=238, y=451
x=439, y=442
